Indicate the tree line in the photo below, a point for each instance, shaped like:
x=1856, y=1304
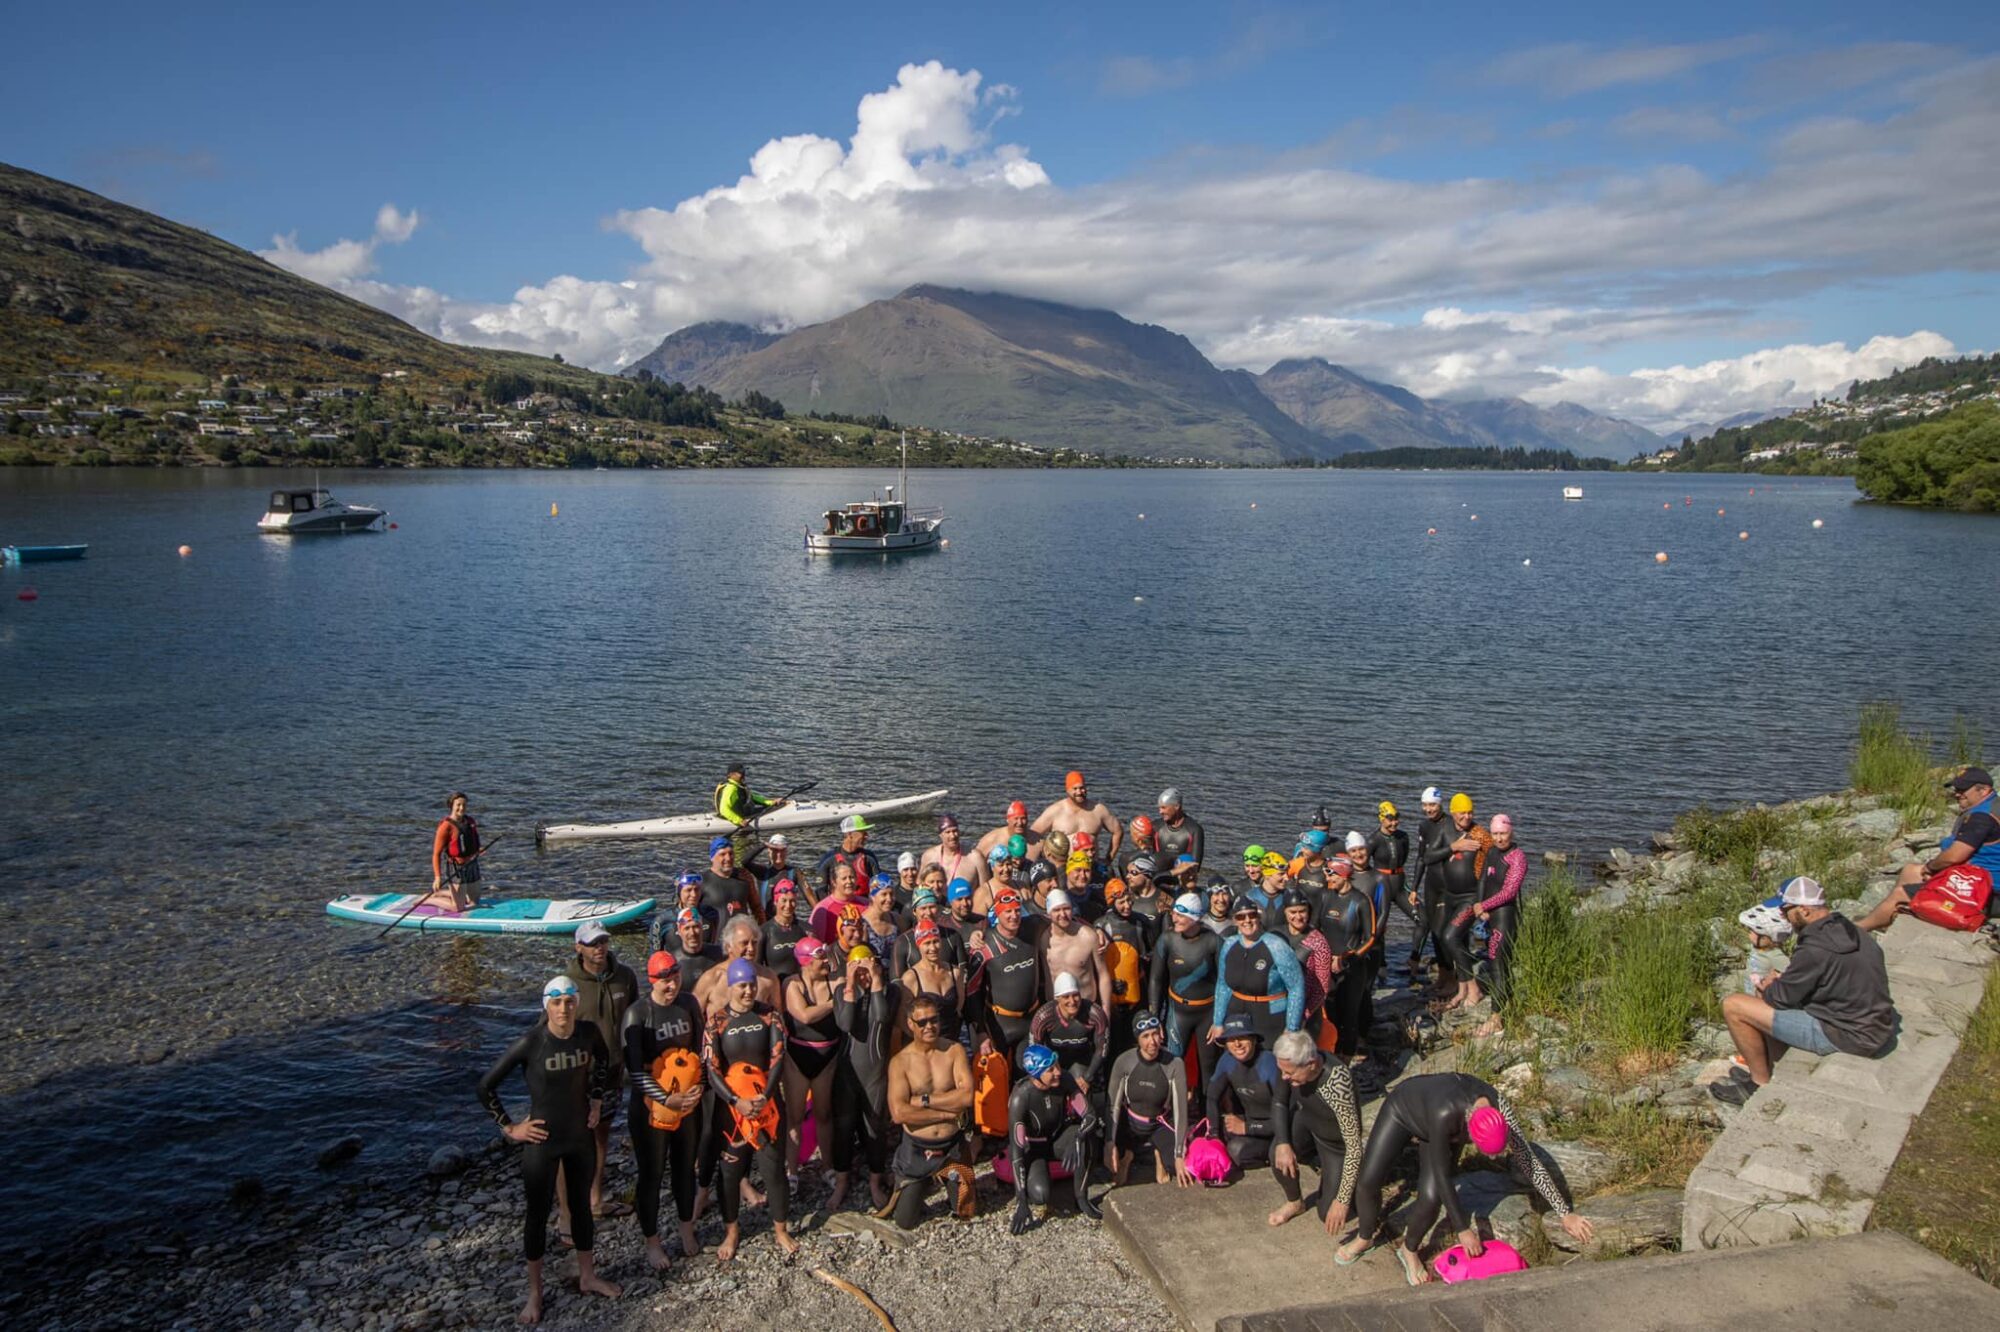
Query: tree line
x=1948, y=462
x=1470, y=459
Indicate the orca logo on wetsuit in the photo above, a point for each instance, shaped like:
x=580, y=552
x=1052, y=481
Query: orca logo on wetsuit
x=1027, y=961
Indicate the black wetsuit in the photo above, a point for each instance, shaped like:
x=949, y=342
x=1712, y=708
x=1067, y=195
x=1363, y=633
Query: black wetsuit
x=1503, y=904
x=1082, y=1043
x=1043, y=1127
x=1182, y=992
x=1388, y=852
x=757, y=1038
x=1461, y=873
x=779, y=940
x=1347, y=921
x=1126, y=999
x=861, y=1080
x=727, y=897
x=1256, y=1092
x=1368, y=884
x=564, y=1076
x=1186, y=840
x=951, y=948
x=651, y=1030
x=1009, y=984
x=1429, y=1111
x=1148, y=1100
x=864, y=868
x=1434, y=839
x=1325, y=1132
x=692, y=965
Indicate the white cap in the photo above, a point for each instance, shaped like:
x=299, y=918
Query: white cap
x=1803, y=891
x=1431, y=796
x=1065, y=984
x=908, y=860
x=1355, y=841
x=777, y=841
x=1058, y=899
x=1188, y=904
x=590, y=932
x=1169, y=798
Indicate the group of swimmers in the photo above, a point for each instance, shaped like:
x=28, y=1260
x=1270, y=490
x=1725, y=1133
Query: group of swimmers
x=1066, y=993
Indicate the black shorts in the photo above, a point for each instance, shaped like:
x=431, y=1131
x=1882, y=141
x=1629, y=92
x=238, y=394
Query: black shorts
x=918, y=1159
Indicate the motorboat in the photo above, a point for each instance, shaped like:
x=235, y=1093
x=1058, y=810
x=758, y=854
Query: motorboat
x=1572, y=492
x=41, y=554
x=313, y=512
x=885, y=526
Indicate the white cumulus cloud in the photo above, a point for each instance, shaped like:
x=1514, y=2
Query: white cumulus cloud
x=345, y=261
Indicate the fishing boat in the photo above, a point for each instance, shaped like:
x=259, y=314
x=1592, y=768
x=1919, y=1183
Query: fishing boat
x=799, y=814
x=1572, y=492
x=885, y=526
x=315, y=512
x=40, y=554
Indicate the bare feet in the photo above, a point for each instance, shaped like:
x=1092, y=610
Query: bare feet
x=879, y=1191
x=690, y=1246
x=725, y=1252
x=783, y=1234
x=597, y=1285
x=1490, y=1027
x=751, y=1198
x=656, y=1255
x=1286, y=1213
x=1354, y=1248
x=531, y=1312
x=700, y=1203
x=838, y=1198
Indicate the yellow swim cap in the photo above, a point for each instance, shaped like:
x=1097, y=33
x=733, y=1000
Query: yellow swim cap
x=1274, y=861
x=1385, y=809
x=1461, y=803
x=861, y=953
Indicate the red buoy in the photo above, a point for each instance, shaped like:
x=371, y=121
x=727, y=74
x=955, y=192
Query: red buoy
x=28, y=594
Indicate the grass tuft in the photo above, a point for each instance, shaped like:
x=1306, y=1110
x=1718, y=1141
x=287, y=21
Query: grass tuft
x=1896, y=764
x=1553, y=949
x=1661, y=968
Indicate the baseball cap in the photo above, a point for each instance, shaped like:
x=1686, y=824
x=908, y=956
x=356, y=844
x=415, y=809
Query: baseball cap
x=908, y=860
x=1169, y=798
x=1802, y=891
x=742, y=972
x=715, y=844
x=957, y=890
x=1431, y=796
x=590, y=932
x=854, y=823
x=1065, y=984
x=1355, y=841
x=661, y=964
x=1017, y=810
x=559, y=987
x=1970, y=778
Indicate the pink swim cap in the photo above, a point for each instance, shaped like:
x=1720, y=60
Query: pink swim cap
x=1500, y=823
x=1488, y=1130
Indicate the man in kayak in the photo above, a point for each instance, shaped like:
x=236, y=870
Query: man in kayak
x=1074, y=948
x=853, y=852
x=930, y=1091
x=959, y=860
x=455, y=857
x=1178, y=834
x=738, y=804
x=1077, y=813
x=1015, y=825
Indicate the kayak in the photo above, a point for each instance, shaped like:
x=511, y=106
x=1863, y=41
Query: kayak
x=801, y=814
x=518, y=915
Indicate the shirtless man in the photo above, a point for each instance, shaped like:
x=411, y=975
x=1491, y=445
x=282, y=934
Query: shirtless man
x=740, y=939
x=930, y=1090
x=959, y=860
x=1072, y=947
x=1015, y=826
x=1077, y=813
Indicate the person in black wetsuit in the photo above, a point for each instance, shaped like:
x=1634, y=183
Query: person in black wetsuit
x=865, y=1008
x=1369, y=884
x=783, y=931
x=691, y=943
x=1148, y=1106
x=726, y=890
x=1006, y=981
x=664, y=1019
x=1347, y=921
x=1047, y=1123
x=1325, y=1132
x=1462, y=870
x=1247, y=1100
x=1175, y=833
x=1080, y=1034
x=1389, y=852
x=1182, y=988
x=1433, y=848
x=812, y=1048
x=1439, y=1114
x=568, y=1070
x=745, y=1031
x=1128, y=953
x=927, y=907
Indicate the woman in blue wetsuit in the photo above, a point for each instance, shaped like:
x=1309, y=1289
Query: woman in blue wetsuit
x=1261, y=978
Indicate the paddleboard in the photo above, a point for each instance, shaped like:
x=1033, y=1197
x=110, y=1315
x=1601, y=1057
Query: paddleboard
x=518, y=915
x=802, y=814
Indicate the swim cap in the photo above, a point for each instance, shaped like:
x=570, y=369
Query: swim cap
x=1274, y=861
x=1017, y=810
x=958, y=890
x=1184, y=861
x=716, y=844
x=1320, y=819
x=1242, y=905
x=1253, y=854
x=1142, y=827
x=808, y=949
x=850, y=911
x=742, y=972
x=997, y=854
x=1292, y=897
x=1056, y=845
x=1144, y=1023
x=881, y=883
x=861, y=953
x=1082, y=841
x=1058, y=900
x=1017, y=847
x=1169, y=798
x=1385, y=810
x=1487, y=1128
x=923, y=897
x=659, y=965
x=1340, y=865
x=687, y=879
x=689, y=916
x=1461, y=803
x=1431, y=796
x=1499, y=823
x=1314, y=840
x=1005, y=898
x=1077, y=860
x=784, y=888
x=1145, y=865
x=926, y=931
x=1189, y=904
x=908, y=860
x=1355, y=841
x=1072, y=780
x=559, y=987
x=1037, y=1060
x=1216, y=886
x=947, y=821
x=1115, y=889
x=1065, y=984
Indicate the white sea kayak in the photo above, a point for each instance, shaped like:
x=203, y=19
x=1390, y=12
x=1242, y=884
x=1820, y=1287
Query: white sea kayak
x=519, y=915
x=800, y=814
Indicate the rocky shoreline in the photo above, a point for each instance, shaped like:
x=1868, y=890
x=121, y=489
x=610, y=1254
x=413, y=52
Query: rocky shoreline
x=441, y=1249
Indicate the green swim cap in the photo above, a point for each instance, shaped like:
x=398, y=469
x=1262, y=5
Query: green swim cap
x=1252, y=853
x=1017, y=847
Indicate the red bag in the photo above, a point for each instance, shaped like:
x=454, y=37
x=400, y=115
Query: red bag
x=1954, y=899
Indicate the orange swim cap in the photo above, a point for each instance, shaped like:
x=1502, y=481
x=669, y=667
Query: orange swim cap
x=1074, y=780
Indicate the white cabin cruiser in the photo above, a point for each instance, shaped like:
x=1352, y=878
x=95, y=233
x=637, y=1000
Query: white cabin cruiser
x=1572, y=492
x=314, y=511
x=885, y=526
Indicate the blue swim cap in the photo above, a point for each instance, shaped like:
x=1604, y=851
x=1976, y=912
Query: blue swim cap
x=715, y=844
x=688, y=879
x=742, y=972
x=1037, y=1060
x=957, y=890
x=1315, y=840
x=997, y=854
x=881, y=882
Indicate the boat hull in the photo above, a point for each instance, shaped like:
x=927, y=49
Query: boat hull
x=41, y=554
x=804, y=814
x=319, y=524
x=896, y=543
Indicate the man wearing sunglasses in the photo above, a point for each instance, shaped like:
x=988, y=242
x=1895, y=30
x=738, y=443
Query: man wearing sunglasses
x=930, y=1091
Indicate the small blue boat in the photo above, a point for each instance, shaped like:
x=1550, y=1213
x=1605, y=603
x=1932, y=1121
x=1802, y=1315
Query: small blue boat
x=40, y=554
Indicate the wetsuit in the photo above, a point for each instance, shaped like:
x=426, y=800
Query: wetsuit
x=1316, y=961
x=951, y=948
x=1264, y=979
x=1266, y=903
x=1429, y=1112
x=757, y=1038
x=564, y=1075
x=1008, y=980
x=1177, y=841
x=1182, y=992
x=864, y=868
x=1434, y=839
x=861, y=1080
x=692, y=965
x=1325, y=1132
x=1128, y=991
x=1369, y=884
x=1222, y=927
x=812, y=1045
x=1348, y=922
x=1257, y=1092
x=1500, y=897
x=651, y=1030
x=1082, y=1043
x=1461, y=873
x=1046, y=1126
x=1388, y=852
x=454, y=852
x=1148, y=1099
x=727, y=895
x=779, y=940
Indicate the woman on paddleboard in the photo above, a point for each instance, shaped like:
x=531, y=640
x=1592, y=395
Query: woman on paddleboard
x=455, y=856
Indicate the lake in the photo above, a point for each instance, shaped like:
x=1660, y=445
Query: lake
x=200, y=751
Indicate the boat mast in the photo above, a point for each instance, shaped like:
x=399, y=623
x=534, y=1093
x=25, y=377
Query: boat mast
x=903, y=488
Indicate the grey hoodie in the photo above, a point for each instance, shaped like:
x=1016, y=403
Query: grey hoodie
x=1837, y=975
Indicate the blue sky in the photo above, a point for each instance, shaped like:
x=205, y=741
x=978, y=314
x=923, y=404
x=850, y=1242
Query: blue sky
x=1575, y=202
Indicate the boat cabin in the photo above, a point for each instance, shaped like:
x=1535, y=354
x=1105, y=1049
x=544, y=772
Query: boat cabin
x=870, y=518
x=298, y=501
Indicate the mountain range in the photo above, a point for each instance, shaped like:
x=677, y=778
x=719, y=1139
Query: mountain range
x=1063, y=376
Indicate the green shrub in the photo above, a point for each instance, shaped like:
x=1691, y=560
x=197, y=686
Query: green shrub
x=1552, y=950
x=1896, y=764
x=1662, y=962
x=1735, y=838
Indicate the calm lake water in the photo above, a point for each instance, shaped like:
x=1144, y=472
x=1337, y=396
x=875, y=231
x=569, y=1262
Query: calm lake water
x=200, y=751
